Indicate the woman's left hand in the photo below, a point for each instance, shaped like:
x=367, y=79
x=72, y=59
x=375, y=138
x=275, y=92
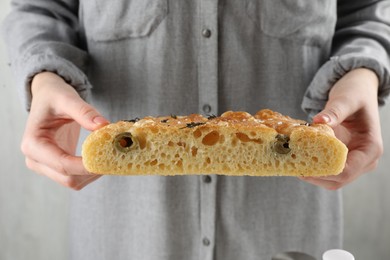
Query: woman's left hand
x=352, y=112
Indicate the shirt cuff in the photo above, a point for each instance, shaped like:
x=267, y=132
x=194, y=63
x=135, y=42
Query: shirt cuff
x=37, y=63
x=316, y=95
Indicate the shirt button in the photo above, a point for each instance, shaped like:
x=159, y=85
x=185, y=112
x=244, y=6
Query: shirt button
x=206, y=108
x=206, y=33
x=207, y=178
x=206, y=241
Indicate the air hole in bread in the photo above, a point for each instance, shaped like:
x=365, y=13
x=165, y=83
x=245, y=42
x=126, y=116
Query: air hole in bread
x=211, y=138
x=292, y=165
x=179, y=164
x=142, y=141
x=181, y=144
x=221, y=139
x=314, y=158
x=194, y=151
x=243, y=137
x=277, y=163
x=197, y=133
x=106, y=136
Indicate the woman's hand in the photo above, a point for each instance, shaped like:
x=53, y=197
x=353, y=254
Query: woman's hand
x=352, y=111
x=53, y=126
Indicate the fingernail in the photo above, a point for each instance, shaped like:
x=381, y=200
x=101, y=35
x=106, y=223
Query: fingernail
x=99, y=120
x=326, y=119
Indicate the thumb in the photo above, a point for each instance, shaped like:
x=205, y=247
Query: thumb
x=85, y=114
x=335, y=112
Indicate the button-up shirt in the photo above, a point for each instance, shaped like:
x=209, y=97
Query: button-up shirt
x=159, y=57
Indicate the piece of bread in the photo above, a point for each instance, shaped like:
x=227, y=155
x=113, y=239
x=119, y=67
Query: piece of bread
x=236, y=143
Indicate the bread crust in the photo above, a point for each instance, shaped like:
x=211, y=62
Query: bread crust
x=236, y=143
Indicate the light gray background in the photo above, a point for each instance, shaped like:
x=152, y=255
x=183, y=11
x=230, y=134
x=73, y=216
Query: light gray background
x=34, y=210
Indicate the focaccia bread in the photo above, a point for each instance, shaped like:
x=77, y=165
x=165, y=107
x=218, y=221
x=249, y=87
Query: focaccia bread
x=236, y=143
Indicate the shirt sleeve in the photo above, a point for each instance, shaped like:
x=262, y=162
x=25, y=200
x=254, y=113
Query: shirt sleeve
x=42, y=36
x=362, y=40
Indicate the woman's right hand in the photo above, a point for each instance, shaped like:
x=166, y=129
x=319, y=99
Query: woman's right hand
x=52, y=131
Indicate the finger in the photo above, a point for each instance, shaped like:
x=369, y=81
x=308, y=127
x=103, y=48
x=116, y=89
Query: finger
x=87, y=181
x=357, y=163
x=45, y=152
x=83, y=113
x=324, y=183
x=73, y=182
x=336, y=111
x=335, y=181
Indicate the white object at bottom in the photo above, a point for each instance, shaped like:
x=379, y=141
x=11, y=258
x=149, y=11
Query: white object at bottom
x=337, y=254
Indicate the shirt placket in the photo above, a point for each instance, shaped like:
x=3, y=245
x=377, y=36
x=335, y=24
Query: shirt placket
x=207, y=216
x=208, y=105
x=208, y=57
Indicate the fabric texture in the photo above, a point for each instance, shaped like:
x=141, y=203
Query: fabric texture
x=159, y=57
x=361, y=41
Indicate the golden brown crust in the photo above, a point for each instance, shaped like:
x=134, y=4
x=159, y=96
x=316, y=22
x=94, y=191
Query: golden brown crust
x=236, y=143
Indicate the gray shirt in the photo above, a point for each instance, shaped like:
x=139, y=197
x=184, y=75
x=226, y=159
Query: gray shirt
x=161, y=57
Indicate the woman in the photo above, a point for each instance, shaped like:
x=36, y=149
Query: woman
x=158, y=57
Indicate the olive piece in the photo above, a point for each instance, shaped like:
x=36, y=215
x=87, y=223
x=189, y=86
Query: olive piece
x=123, y=141
x=281, y=145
